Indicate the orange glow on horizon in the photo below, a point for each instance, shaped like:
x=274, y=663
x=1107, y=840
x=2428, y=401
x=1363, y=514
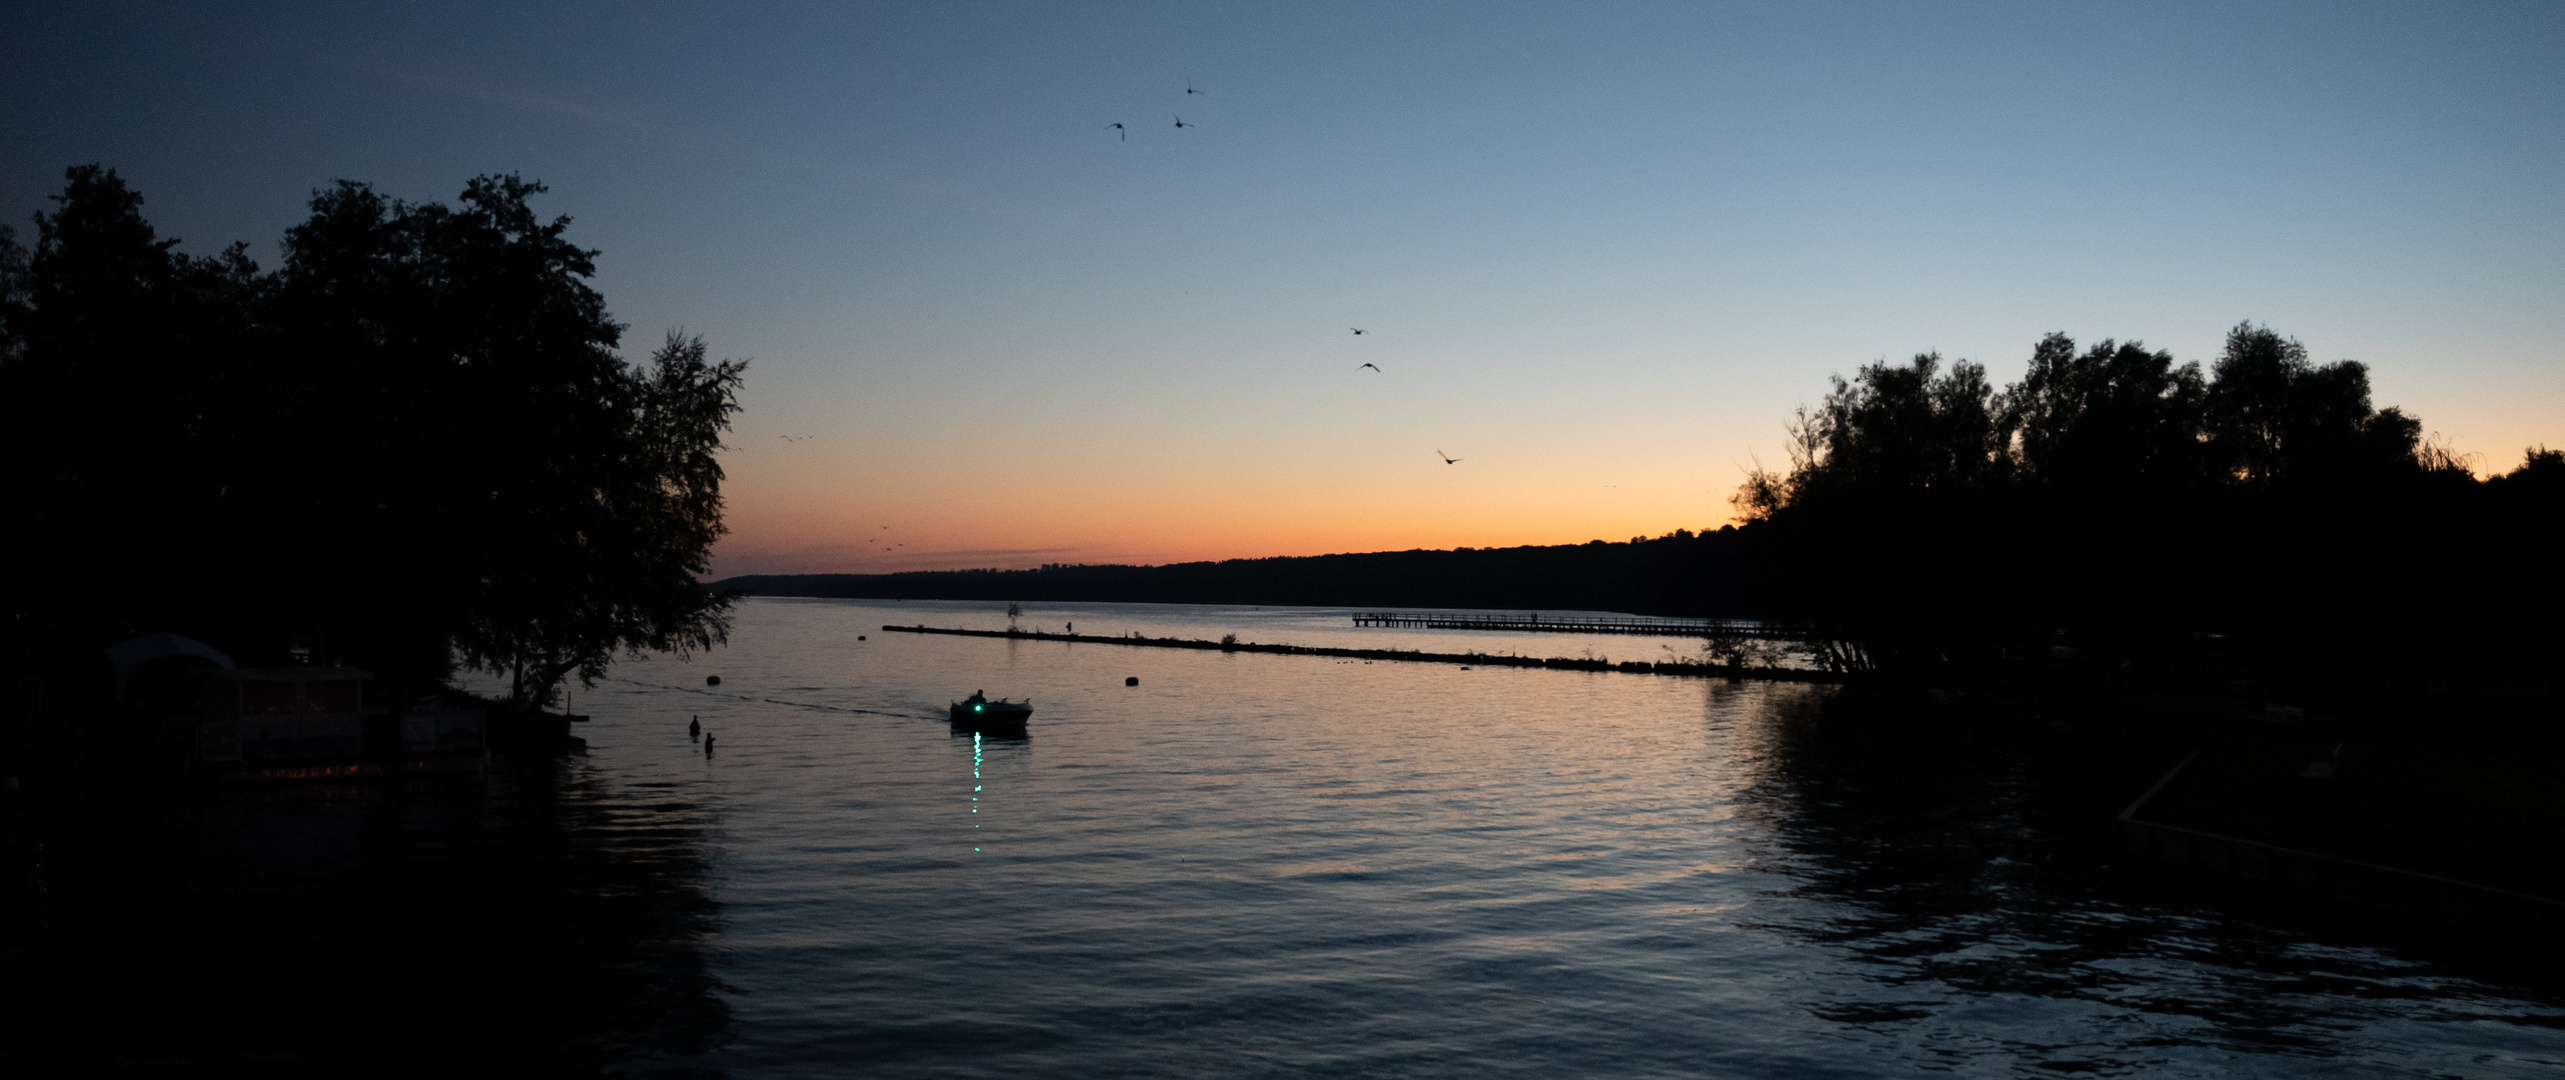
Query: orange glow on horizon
x=1052, y=513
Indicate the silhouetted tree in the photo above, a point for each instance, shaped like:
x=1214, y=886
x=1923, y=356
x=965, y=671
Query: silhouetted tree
x=119, y=368
x=2274, y=417
x=1886, y=529
x=413, y=440
x=2525, y=514
x=2133, y=502
x=13, y=292
x=618, y=534
x=2114, y=416
x=2113, y=474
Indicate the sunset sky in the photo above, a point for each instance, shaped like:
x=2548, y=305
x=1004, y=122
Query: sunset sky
x=1600, y=252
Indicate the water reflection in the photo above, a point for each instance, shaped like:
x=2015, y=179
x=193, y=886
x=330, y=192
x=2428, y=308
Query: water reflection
x=540, y=918
x=1956, y=860
x=991, y=752
x=1287, y=866
x=1242, y=864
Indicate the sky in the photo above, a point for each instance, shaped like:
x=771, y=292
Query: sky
x=1599, y=252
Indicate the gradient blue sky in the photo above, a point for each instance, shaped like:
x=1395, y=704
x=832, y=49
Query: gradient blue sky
x=1602, y=250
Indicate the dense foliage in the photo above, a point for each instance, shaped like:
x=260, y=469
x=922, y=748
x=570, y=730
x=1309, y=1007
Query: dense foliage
x=2113, y=501
x=411, y=442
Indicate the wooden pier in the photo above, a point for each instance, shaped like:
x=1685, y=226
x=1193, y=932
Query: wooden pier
x=1536, y=623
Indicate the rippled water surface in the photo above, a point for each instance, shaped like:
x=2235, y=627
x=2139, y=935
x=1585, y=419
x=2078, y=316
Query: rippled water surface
x=1253, y=865
x=1279, y=865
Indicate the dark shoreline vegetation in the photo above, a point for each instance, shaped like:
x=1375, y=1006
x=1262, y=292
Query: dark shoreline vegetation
x=2121, y=505
x=1680, y=573
x=413, y=445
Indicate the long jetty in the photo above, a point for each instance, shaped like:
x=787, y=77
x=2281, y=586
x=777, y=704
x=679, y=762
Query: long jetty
x=1532, y=622
x=1411, y=656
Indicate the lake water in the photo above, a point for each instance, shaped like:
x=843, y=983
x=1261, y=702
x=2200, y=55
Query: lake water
x=1246, y=865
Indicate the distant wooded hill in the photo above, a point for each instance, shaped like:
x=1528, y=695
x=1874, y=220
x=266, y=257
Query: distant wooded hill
x=1680, y=573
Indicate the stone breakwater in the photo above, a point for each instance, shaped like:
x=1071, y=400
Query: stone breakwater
x=1412, y=656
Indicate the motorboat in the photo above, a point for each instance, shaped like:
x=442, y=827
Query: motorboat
x=978, y=713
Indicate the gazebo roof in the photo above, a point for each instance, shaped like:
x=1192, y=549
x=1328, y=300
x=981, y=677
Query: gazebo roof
x=129, y=657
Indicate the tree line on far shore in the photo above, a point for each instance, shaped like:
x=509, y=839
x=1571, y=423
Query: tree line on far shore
x=411, y=442
x=2115, y=502
x=1680, y=573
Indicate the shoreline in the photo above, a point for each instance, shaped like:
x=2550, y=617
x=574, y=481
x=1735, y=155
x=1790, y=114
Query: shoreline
x=1564, y=663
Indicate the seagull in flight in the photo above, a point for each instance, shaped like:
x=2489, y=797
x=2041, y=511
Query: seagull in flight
x=1376, y=370
x=1189, y=85
x=1447, y=458
x=1180, y=122
x=1358, y=331
x=1126, y=133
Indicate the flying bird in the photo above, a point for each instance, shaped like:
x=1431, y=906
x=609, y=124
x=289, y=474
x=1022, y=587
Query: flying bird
x=1189, y=85
x=1126, y=133
x=1376, y=370
x=1358, y=331
x=1180, y=122
x=1447, y=458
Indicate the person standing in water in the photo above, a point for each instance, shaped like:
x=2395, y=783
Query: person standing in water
x=694, y=728
x=708, y=741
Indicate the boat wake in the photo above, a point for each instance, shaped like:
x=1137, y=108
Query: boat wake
x=754, y=699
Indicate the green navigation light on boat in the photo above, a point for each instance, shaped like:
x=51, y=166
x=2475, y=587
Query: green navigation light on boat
x=977, y=712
